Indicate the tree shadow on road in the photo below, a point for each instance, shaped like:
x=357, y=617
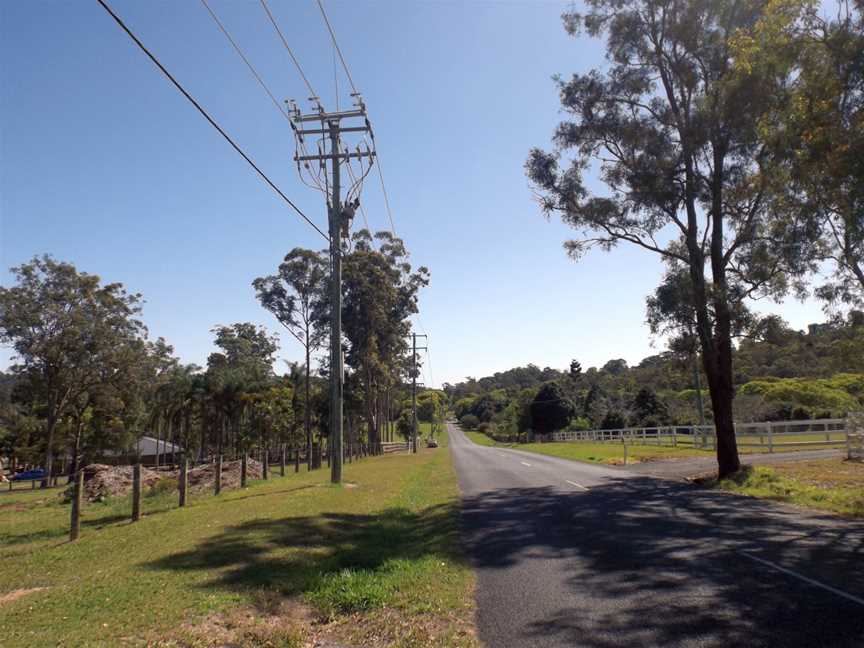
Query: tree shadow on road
x=651, y=562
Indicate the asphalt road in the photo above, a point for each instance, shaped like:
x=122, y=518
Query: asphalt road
x=573, y=554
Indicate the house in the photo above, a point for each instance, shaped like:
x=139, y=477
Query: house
x=147, y=449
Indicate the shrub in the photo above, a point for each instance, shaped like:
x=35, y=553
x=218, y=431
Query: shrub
x=469, y=421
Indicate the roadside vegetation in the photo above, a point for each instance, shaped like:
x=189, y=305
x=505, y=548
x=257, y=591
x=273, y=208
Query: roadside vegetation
x=835, y=485
x=783, y=375
x=373, y=563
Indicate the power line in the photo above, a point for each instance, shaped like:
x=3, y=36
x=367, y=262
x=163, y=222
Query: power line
x=288, y=49
x=384, y=189
x=208, y=117
x=336, y=45
x=252, y=69
x=257, y=76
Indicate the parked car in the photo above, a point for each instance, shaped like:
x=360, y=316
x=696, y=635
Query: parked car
x=28, y=475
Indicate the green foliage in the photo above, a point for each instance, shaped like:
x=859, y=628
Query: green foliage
x=551, y=409
x=469, y=421
x=837, y=395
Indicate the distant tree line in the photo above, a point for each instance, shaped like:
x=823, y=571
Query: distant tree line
x=781, y=374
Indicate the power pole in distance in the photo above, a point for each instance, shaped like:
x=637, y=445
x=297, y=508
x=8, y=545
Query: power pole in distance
x=339, y=219
x=414, y=348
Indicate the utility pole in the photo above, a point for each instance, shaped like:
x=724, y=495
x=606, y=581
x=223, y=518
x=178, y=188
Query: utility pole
x=414, y=348
x=339, y=220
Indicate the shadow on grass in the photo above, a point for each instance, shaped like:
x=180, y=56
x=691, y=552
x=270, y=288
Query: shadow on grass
x=645, y=562
x=292, y=555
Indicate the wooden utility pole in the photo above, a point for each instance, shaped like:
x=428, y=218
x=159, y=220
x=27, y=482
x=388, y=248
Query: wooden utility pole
x=75, y=526
x=184, y=478
x=339, y=219
x=136, y=491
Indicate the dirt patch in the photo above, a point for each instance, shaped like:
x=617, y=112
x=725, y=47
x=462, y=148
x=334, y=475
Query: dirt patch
x=14, y=595
x=289, y=623
x=203, y=477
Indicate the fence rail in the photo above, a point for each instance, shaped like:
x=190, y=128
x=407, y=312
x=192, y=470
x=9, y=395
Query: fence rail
x=769, y=436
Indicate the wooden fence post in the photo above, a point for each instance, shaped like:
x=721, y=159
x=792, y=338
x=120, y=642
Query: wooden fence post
x=217, y=477
x=243, y=468
x=184, y=479
x=136, y=492
x=265, y=465
x=282, y=460
x=770, y=440
x=297, y=459
x=75, y=523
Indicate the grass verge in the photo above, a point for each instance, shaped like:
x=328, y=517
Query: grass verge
x=834, y=485
x=611, y=453
x=281, y=563
x=479, y=438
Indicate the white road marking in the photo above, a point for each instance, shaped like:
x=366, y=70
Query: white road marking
x=572, y=483
x=502, y=454
x=524, y=463
x=801, y=577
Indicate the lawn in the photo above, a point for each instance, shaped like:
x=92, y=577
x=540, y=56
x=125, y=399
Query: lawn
x=479, y=438
x=835, y=484
x=374, y=562
x=612, y=453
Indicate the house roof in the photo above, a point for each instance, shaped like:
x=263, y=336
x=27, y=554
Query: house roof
x=146, y=447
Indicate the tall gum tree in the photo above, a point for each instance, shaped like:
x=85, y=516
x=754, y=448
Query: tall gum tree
x=293, y=296
x=672, y=129
x=70, y=334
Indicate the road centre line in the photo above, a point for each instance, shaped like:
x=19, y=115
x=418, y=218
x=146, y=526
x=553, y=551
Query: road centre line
x=572, y=483
x=801, y=577
x=524, y=463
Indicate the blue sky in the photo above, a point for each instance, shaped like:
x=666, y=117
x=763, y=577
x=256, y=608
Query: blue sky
x=104, y=164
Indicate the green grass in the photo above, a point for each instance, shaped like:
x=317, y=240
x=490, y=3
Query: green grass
x=802, y=485
x=479, y=438
x=384, y=547
x=609, y=453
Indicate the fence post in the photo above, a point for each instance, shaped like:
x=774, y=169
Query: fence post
x=75, y=523
x=184, y=479
x=282, y=460
x=217, y=477
x=265, y=465
x=136, y=491
x=770, y=439
x=624, y=442
x=848, y=446
x=244, y=467
x=297, y=460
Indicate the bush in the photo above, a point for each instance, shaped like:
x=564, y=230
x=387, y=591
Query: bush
x=485, y=428
x=469, y=422
x=613, y=421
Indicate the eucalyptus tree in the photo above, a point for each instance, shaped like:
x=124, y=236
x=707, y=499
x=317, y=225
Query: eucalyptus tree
x=672, y=128
x=380, y=291
x=816, y=136
x=70, y=333
x=293, y=296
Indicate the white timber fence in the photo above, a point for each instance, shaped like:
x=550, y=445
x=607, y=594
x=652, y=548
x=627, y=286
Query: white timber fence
x=772, y=436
